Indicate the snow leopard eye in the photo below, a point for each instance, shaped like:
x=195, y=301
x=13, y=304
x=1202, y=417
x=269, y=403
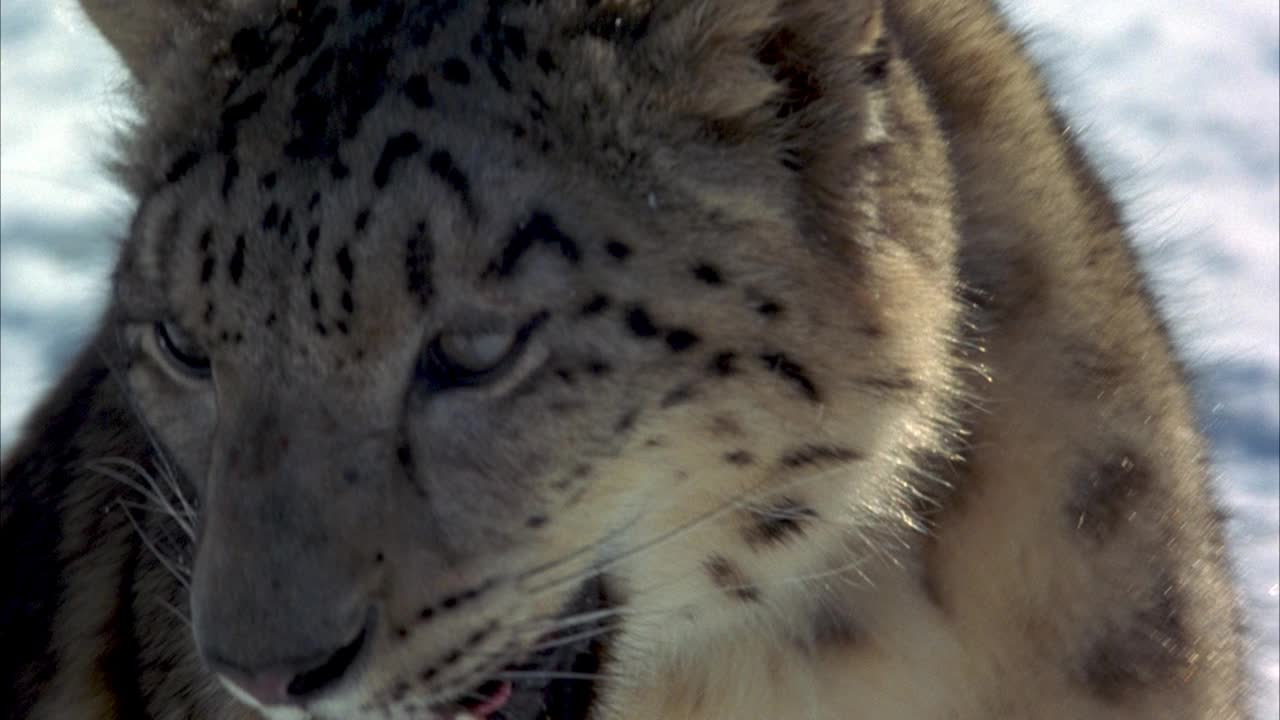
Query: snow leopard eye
x=181, y=351
x=461, y=359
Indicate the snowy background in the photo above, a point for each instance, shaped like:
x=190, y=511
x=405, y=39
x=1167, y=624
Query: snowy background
x=1178, y=100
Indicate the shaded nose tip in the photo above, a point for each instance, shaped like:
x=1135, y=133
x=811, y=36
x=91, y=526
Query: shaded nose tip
x=292, y=685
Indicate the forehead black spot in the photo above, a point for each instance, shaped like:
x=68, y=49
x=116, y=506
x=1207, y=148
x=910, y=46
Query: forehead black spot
x=418, y=89
x=595, y=305
x=539, y=230
x=768, y=308
x=639, y=322
x=418, y=256
x=229, y=175
x=182, y=166
x=250, y=49
x=442, y=165
x=708, y=274
x=619, y=251
x=271, y=217
x=725, y=575
x=235, y=268
x=455, y=70
x=680, y=340
x=397, y=148
x=314, y=25
x=545, y=61
x=345, y=264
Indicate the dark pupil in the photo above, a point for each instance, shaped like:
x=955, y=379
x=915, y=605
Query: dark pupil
x=437, y=371
x=182, y=349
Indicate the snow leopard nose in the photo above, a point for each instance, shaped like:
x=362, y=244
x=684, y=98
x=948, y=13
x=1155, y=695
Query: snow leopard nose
x=291, y=683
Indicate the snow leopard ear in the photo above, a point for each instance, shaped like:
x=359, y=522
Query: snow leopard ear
x=145, y=32
x=744, y=65
x=803, y=80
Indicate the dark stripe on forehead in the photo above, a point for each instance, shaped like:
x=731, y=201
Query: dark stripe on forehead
x=539, y=229
x=418, y=257
x=442, y=165
x=397, y=148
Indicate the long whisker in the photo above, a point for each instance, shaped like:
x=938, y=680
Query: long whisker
x=117, y=374
x=734, y=503
x=178, y=574
x=103, y=467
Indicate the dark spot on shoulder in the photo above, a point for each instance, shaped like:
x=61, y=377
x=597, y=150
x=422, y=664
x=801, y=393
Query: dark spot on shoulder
x=793, y=372
x=875, y=64
x=888, y=385
x=739, y=458
x=1108, y=493
x=626, y=422
x=724, y=426
x=833, y=628
x=726, y=576
x=776, y=523
x=814, y=455
x=1147, y=648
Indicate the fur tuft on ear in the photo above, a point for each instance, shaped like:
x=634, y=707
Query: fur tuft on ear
x=145, y=32
x=803, y=80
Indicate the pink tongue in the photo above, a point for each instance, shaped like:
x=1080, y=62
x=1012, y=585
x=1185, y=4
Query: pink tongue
x=494, y=703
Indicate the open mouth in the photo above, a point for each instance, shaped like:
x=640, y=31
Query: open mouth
x=557, y=682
